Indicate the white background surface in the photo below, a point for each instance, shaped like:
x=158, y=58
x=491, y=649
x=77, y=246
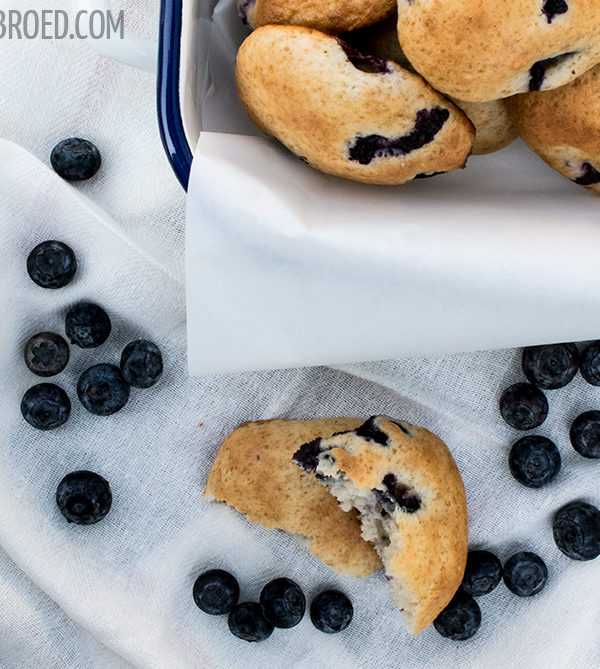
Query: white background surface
x=118, y=594
x=480, y=258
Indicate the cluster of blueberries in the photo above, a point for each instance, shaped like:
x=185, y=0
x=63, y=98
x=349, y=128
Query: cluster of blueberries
x=103, y=389
x=83, y=497
x=282, y=604
x=534, y=461
x=525, y=574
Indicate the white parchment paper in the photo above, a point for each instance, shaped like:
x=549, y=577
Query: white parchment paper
x=292, y=267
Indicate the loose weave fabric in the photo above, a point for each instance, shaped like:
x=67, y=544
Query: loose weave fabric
x=119, y=593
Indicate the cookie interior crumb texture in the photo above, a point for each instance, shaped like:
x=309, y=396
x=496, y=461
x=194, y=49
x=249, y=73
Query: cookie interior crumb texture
x=254, y=473
x=405, y=484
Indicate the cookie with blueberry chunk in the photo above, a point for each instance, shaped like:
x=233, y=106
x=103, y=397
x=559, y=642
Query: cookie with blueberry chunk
x=407, y=488
x=346, y=113
x=330, y=16
x=480, y=50
x=563, y=127
x=494, y=129
x=254, y=473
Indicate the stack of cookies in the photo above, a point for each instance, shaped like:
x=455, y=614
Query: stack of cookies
x=384, y=92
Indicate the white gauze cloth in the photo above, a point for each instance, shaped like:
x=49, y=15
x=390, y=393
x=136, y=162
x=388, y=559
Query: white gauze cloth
x=119, y=593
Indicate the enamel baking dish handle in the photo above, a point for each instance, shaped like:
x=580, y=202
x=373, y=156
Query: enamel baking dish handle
x=163, y=58
x=132, y=49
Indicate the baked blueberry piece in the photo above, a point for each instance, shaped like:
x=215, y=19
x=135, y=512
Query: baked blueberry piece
x=589, y=363
x=84, y=497
x=523, y=406
x=216, y=592
x=247, y=622
x=460, y=619
x=87, y=325
x=346, y=113
x=102, y=389
x=551, y=366
x=331, y=611
x=576, y=531
x=283, y=602
x=404, y=483
x=75, y=159
x=534, y=461
x=45, y=406
x=482, y=573
x=585, y=434
x=46, y=354
x=51, y=264
x=525, y=574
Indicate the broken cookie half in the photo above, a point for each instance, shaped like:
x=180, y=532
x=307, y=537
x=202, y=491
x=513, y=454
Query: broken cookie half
x=406, y=486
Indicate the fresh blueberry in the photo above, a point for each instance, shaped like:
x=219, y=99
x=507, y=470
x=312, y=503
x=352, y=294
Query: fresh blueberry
x=75, y=159
x=576, y=531
x=102, y=389
x=283, y=603
x=84, y=497
x=523, y=406
x=45, y=406
x=551, y=366
x=589, y=363
x=46, y=354
x=87, y=325
x=585, y=434
x=216, y=592
x=247, y=622
x=525, y=574
x=51, y=264
x=534, y=461
x=331, y=611
x=460, y=619
x=141, y=363
x=482, y=573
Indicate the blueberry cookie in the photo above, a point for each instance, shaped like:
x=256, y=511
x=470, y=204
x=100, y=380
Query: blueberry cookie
x=410, y=496
x=347, y=114
x=481, y=50
x=563, y=127
x=494, y=129
x=330, y=16
x=254, y=473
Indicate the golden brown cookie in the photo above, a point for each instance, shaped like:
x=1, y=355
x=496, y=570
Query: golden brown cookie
x=481, y=50
x=563, y=127
x=354, y=116
x=411, y=499
x=330, y=16
x=254, y=473
x=494, y=128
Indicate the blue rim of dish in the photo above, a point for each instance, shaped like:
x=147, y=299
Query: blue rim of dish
x=169, y=111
